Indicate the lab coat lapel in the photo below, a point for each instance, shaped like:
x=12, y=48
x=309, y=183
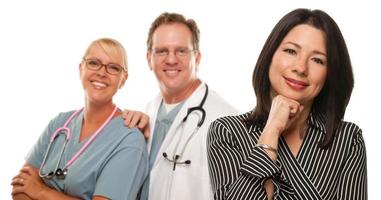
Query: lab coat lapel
x=152, y=109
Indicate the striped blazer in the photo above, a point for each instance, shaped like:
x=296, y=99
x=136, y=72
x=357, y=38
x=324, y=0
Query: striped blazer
x=239, y=169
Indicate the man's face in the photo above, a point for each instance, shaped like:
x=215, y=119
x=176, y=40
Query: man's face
x=173, y=58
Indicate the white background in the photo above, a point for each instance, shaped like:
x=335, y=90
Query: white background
x=42, y=42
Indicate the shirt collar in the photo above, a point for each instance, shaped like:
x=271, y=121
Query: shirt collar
x=317, y=121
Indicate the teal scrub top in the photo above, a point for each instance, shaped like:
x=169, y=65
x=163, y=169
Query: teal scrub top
x=114, y=165
x=163, y=122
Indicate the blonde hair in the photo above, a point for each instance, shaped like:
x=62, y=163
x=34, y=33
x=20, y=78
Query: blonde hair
x=112, y=48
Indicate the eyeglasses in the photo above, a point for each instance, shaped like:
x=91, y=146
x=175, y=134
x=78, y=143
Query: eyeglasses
x=95, y=65
x=180, y=53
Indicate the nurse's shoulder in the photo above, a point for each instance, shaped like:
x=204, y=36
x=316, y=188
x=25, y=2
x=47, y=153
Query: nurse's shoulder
x=131, y=137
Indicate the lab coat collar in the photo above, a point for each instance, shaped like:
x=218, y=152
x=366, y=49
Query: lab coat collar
x=193, y=100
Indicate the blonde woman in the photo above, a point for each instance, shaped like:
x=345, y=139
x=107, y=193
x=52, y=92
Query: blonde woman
x=88, y=153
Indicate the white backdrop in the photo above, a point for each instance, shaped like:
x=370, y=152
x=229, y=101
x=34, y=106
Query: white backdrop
x=42, y=42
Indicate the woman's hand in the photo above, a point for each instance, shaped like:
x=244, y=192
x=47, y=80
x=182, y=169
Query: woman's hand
x=28, y=185
x=283, y=113
x=28, y=182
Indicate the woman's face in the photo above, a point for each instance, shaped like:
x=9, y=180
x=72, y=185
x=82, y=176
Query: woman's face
x=99, y=85
x=299, y=66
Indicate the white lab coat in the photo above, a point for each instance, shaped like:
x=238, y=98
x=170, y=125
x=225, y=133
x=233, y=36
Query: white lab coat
x=187, y=182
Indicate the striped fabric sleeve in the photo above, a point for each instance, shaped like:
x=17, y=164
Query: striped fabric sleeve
x=353, y=180
x=231, y=176
x=260, y=165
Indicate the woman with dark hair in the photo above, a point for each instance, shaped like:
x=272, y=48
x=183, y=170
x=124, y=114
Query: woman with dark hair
x=294, y=144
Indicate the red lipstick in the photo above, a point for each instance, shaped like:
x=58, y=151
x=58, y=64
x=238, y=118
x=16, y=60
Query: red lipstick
x=295, y=84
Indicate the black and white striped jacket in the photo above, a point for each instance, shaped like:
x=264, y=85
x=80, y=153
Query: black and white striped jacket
x=238, y=169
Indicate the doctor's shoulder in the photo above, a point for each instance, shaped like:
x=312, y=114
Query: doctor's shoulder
x=218, y=106
x=152, y=104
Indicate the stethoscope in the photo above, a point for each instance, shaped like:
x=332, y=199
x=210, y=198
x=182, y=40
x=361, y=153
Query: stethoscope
x=176, y=156
x=58, y=172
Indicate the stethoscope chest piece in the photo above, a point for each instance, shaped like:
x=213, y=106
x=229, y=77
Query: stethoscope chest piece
x=57, y=172
x=61, y=174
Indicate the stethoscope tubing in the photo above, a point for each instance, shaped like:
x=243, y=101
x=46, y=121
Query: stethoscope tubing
x=66, y=130
x=190, y=110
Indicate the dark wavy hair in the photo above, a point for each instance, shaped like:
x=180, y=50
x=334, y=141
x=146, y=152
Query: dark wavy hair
x=333, y=99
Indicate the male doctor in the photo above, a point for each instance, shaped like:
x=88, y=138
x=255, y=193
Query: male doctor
x=178, y=155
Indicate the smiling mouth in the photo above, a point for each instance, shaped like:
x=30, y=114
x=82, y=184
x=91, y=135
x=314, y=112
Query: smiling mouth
x=295, y=84
x=166, y=70
x=172, y=72
x=98, y=84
